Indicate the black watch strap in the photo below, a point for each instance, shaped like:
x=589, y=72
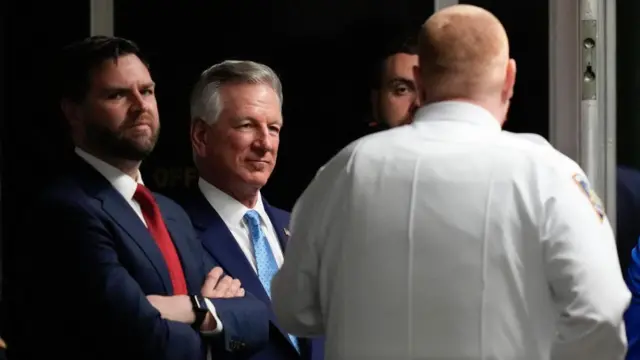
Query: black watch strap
x=200, y=309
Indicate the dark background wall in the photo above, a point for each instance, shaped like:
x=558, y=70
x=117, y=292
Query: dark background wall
x=32, y=135
x=628, y=68
x=322, y=50
x=2, y=107
x=319, y=48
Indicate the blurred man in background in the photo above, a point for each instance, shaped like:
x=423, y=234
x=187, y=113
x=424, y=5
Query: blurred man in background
x=394, y=97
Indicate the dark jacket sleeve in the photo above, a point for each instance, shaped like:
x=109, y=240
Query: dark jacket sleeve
x=105, y=300
x=632, y=315
x=245, y=321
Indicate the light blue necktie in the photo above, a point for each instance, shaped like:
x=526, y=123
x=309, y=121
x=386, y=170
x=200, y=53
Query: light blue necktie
x=265, y=261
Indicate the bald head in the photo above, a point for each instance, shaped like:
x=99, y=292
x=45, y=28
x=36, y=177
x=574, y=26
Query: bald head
x=464, y=54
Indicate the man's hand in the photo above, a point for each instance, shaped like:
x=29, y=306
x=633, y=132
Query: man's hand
x=174, y=308
x=218, y=285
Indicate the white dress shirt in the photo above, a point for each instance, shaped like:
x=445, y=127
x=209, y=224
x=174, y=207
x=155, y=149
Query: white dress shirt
x=452, y=239
x=126, y=186
x=232, y=213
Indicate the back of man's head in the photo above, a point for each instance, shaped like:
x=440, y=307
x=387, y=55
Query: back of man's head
x=464, y=54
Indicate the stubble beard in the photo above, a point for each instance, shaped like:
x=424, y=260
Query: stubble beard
x=118, y=145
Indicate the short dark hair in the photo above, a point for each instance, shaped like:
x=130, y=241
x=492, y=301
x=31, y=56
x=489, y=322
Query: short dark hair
x=398, y=43
x=79, y=59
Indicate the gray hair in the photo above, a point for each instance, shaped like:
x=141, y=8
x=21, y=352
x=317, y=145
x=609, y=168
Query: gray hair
x=205, y=97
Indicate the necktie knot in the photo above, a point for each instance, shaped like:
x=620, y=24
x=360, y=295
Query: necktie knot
x=143, y=195
x=253, y=221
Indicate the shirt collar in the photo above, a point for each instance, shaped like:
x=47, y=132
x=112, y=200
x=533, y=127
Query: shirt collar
x=122, y=182
x=230, y=210
x=457, y=111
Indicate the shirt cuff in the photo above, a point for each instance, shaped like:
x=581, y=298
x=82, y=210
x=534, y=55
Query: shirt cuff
x=212, y=310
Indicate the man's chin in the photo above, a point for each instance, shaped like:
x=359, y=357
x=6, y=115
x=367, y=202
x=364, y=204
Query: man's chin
x=257, y=179
x=133, y=153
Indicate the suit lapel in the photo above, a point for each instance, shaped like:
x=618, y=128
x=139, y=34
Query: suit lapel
x=121, y=212
x=281, y=228
x=221, y=245
x=189, y=266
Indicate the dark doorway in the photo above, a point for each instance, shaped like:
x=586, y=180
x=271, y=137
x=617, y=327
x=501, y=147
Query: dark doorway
x=320, y=49
x=527, y=25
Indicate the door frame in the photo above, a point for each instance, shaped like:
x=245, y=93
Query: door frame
x=582, y=114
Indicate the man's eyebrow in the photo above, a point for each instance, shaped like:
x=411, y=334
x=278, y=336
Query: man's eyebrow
x=401, y=80
x=118, y=88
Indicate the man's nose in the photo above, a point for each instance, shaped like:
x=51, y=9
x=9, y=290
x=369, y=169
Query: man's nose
x=264, y=140
x=139, y=103
x=415, y=104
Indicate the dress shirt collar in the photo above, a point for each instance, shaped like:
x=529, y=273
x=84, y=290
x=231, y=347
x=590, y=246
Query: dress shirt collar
x=230, y=210
x=457, y=111
x=122, y=182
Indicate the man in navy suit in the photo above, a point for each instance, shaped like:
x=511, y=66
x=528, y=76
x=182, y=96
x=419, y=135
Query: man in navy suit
x=628, y=214
x=235, y=131
x=117, y=271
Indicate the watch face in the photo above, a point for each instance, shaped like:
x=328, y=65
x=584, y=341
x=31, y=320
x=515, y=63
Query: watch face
x=200, y=309
x=199, y=303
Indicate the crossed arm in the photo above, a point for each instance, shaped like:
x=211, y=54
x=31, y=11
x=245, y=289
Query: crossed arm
x=118, y=308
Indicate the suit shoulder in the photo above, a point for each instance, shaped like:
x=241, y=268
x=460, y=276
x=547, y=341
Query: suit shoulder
x=629, y=175
x=166, y=201
x=63, y=191
x=280, y=213
x=170, y=205
x=188, y=201
x=172, y=208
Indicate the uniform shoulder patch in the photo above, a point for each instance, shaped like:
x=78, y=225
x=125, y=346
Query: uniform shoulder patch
x=594, y=199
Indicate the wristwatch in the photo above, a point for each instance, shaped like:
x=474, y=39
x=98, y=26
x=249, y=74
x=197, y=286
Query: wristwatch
x=200, y=309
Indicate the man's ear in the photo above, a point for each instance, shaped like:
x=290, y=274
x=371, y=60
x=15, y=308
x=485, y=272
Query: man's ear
x=72, y=111
x=419, y=84
x=198, y=136
x=510, y=81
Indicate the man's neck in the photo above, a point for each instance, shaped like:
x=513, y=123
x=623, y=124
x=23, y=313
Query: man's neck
x=249, y=199
x=246, y=195
x=494, y=107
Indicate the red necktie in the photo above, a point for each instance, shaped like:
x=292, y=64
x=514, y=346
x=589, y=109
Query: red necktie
x=159, y=232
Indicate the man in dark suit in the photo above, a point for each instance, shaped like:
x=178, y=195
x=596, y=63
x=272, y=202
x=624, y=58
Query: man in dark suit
x=117, y=272
x=627, y=213
x=393, y=90
x=236, y=121
x=628, y=238
x=3, y=347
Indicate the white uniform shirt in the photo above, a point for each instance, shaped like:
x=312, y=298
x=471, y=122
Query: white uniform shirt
x=452, y=239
